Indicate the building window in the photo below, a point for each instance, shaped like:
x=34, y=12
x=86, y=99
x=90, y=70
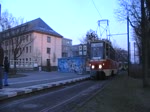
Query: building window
x=20, y=49
x=30, y=60
x=23, y=61
x=30, y=49
x=6, y=43
x=12, y=50
x=7, y=34
x=68, y=42
x=48, y=39
x=10, y=42
x=30, y=37
x=23, y=29
x=13, y=32
x=3, y=35
x=9, y=51
x=26, y=49
x=27, y=38
x=23, y=38
x=6, y=52
x=26, y=60
x=23, y=48
x=48, y=50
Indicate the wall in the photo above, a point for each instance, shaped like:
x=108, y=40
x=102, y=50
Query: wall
x=41, y=44
x=39, y=49
x=73, y=64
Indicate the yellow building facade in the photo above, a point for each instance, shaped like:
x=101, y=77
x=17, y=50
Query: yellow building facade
x=38, y=42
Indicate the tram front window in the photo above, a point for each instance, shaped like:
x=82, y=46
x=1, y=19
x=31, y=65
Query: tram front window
x=97, y=51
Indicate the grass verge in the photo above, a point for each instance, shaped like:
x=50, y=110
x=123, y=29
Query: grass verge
x=16, y=75
x=122, y=94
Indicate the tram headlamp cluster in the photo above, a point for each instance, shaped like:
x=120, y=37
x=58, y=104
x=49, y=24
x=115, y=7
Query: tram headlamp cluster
x=100, y=66
x=93, y=67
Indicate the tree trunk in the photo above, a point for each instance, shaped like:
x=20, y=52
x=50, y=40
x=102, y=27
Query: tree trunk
x=15, y=67
x=144, y=46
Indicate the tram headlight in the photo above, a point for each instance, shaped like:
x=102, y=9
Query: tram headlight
x=93, y=66
x=100, y=66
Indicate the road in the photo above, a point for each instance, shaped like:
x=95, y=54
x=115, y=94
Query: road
x=63, y=99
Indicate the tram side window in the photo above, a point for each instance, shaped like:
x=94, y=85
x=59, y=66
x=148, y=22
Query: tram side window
x=107, y=50
x=112, y=54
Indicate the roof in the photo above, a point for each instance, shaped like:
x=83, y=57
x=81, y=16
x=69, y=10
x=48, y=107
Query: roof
x=38, y=25
x=67, y=39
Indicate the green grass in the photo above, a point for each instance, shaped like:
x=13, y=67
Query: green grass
x=123, y=94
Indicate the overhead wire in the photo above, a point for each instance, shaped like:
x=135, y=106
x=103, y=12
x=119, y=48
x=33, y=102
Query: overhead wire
x=96, y=8
x=101, y=33
x=103, y=27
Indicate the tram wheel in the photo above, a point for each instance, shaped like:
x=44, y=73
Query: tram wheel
x=100, y=76
x=97, y=76
x=112, y=73
x=103, y=76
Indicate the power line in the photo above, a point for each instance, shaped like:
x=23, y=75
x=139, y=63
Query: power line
x=118, y=34
x=96, y=8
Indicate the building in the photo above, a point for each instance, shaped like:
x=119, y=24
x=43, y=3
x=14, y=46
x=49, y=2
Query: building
x=33, y=41
x=79, y=50
x=75, y=50
x=66, y=47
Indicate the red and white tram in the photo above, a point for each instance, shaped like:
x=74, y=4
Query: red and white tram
x=103, y=60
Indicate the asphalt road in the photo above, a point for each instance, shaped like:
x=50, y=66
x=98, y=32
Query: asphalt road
x=63, y=99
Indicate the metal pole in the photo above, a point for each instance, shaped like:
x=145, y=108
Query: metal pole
x=134, y=52
x=128, y=44
x=82, y=59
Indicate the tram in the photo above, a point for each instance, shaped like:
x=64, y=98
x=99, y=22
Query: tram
x=103, y=61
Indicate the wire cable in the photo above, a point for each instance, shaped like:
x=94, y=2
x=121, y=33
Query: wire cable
x=96, y=8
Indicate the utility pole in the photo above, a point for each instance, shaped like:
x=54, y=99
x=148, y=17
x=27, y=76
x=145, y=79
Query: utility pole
x=0, y=10
x=144, y=46
x=128, y=44
x=134, y=52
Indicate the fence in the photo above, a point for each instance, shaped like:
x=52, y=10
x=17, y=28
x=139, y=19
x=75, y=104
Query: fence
x=23, y=64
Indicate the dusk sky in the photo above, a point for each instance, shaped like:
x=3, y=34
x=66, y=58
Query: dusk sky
x=71, y=18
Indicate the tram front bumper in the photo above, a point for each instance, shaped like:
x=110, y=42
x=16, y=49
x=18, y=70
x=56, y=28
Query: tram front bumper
x=96, y=73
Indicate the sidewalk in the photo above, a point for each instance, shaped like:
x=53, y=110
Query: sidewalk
x=35, y=81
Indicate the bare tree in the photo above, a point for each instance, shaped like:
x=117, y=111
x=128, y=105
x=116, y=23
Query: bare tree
x=90, y=36
x=13, y=36
x=132, y=8
x=139, y=18
x=37, y=56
